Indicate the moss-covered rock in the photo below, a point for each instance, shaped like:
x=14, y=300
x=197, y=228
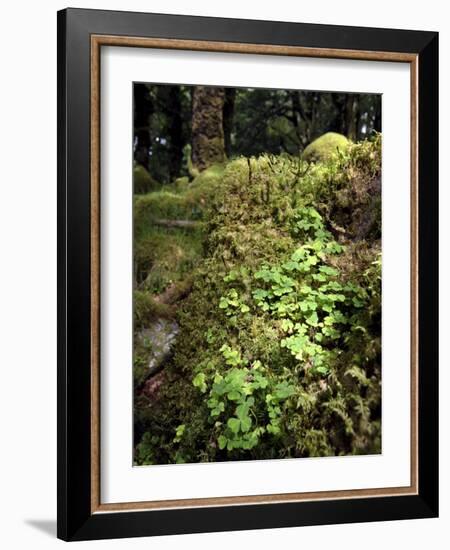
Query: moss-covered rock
x=325, y=147
x=142, y=180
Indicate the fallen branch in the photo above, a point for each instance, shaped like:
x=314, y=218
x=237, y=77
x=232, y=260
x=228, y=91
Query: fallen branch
x=187, y=224
x=174, y=292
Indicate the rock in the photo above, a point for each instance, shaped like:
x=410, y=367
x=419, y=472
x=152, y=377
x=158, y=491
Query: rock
x=161, y=334
x=324, y=147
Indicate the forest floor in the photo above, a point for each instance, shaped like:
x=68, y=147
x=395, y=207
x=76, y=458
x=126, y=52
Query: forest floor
x=257, y=311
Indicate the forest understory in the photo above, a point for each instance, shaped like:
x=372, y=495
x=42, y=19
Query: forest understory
x=257, y=308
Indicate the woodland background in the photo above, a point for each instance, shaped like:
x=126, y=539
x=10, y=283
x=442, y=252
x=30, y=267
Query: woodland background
x=251, y=122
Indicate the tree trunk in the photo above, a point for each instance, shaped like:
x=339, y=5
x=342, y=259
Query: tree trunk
x=228, y=114
x=143, y=108
x=175, y=132
x=208, y=146
x=169, y=102
x=377, y=118
x=351, y=116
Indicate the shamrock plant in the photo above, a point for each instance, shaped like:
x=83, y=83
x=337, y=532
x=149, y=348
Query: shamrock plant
x=306, y=294
x=245, y=403
x=232, y=304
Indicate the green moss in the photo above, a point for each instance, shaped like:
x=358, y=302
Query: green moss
x=187, y=160
x=255, y=213
x=147, y=309
x=142, y=180
x=209, y=178
x=160, y=205
x=181, y=184
x=177, y=201
x=162, y=257
x=325, y=147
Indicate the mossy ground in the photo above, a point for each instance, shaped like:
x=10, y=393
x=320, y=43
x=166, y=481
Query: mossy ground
x=166, y=257
x=255, y=214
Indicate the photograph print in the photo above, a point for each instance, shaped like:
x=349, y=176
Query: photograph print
x=257, y=274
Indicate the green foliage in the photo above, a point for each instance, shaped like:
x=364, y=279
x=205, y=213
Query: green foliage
x=245, y=403
x=306, y=293
x=144, y=450
x=179, y=433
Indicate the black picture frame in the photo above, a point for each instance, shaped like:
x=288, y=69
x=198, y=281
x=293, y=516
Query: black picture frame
x=75, y=518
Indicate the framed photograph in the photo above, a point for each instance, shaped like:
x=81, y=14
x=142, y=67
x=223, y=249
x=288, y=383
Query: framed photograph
x=247, y=253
